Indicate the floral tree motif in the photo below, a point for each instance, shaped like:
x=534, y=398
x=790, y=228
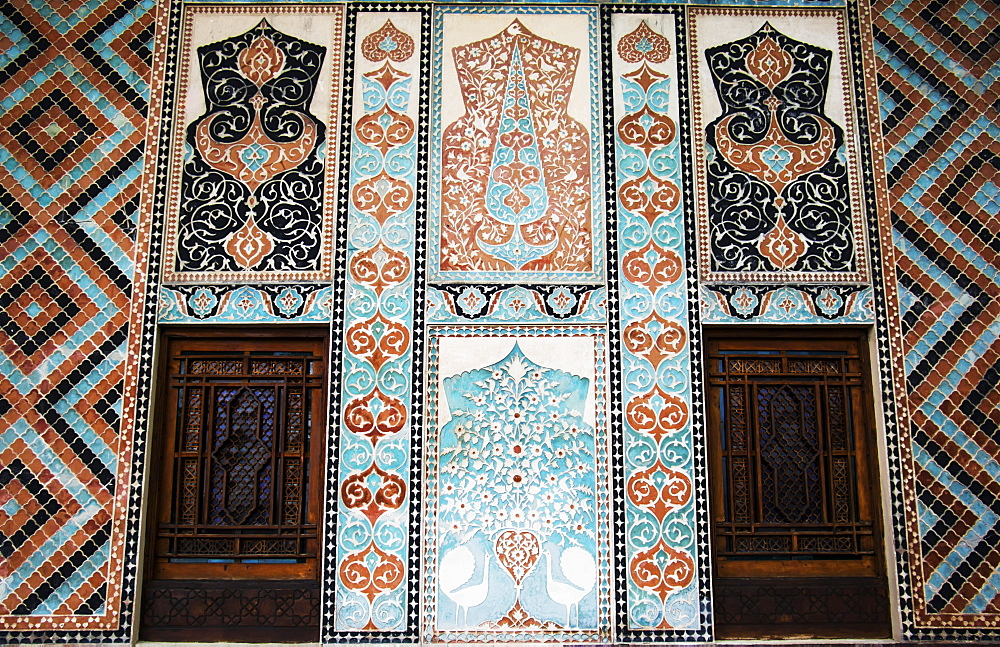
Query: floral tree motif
x=517, y=465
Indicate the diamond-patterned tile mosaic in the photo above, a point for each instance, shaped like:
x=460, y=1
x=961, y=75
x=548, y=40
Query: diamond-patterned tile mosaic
x=72, y=124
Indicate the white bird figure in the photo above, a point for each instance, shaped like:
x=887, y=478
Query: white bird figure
x=580, y=570
x=456, y=569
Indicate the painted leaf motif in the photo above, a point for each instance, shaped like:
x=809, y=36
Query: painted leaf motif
x=643, y=44
x=380, y=267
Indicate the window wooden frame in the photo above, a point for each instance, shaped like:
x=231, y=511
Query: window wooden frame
x=268, y=589
x=789, y=569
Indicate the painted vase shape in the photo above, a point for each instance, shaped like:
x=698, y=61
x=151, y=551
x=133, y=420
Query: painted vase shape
x=777, y=185
x=252, y=185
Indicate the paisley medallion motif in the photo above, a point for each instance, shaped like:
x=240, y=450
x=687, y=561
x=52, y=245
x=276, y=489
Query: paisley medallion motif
x=662, y=569
x=659, y=490
x=380, y=267
x=375, y=415
x=384, y=129
x=782, y=246
x=769, y=64
x=378, y=340
x=382, y=196
x=517, y=551
x=654, y=338
x=373, y=492
x=652, y=266
x=249, y=245
x=657, y=413
x=647, y=130
x=371, y=571
x=649, y=196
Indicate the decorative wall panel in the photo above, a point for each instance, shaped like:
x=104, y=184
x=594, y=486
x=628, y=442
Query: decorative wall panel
x=252, y=191
x=775, y=137
x=516, y=497
x=663, y=591
x=371, y=583
x=517, y=174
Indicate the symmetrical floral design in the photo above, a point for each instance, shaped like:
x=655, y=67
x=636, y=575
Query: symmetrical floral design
x=374, y=475
x=517, y=501
x=517, y=175
x=517, y=303
x=245, y=303
x=516, y=168
x=660, y=555
x=778, y=186
x=251, y=195
x=776, y=303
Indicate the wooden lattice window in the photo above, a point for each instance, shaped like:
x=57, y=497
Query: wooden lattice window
x=792, y=473
x=237, y=490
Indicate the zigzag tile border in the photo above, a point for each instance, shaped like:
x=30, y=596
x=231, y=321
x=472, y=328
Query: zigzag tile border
x=929, y=116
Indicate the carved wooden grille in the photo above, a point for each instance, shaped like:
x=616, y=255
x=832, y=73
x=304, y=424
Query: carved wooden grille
x=787, y=446
x=240, y=458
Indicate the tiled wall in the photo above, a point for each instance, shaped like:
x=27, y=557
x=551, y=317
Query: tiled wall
x=939, y=94
x=86, y=108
